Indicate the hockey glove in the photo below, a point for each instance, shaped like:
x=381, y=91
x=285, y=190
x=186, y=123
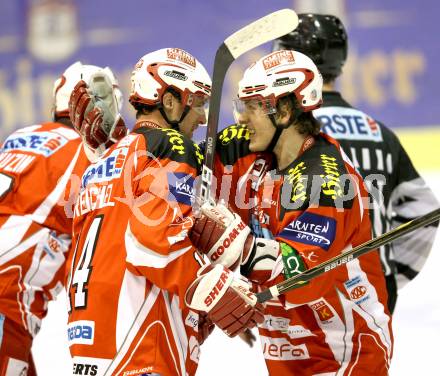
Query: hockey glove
x=94, y=113
x=227, y=300
x=221, y=235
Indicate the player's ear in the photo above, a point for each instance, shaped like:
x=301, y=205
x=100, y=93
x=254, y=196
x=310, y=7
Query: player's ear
x=168, y=101
x=284, y=110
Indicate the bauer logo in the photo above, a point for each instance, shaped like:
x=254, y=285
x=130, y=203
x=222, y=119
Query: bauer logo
x=43, y=143
x=311, y=229
x=181, y=187
x=81, y=332
x=105, y=169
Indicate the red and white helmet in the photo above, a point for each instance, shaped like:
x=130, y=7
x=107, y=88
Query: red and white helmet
x=64, y=85
x=160, y=70
x=281, y=73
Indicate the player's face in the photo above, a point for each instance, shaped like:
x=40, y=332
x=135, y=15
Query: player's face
x=260, y=127
x=195, y=116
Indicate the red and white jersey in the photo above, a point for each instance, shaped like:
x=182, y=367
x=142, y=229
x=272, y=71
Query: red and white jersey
x=133, y=260
x=317, y=208
x=36, y=164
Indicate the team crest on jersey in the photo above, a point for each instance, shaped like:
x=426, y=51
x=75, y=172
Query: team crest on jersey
x=181, y=187
x=312, y=229
x=43, y=143
x=105, y=169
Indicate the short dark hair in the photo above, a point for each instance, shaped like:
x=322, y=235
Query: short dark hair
x=144, y=109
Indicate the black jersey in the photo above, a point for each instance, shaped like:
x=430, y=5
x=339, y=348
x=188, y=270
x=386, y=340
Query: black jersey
x=399, y=190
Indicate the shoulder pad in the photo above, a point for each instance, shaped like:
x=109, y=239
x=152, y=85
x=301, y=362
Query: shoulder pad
x=317, y=178
x=233, y=143
x=166, y=143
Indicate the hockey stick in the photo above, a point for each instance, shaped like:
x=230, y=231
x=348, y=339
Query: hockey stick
x=296, y=281
x=258, y=32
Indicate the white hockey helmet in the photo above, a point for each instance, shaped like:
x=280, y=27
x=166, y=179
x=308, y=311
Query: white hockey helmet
x=279, y=74
x=64, y=85
x=168, y=68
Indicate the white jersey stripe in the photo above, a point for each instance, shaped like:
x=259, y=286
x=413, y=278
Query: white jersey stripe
x=140, y=255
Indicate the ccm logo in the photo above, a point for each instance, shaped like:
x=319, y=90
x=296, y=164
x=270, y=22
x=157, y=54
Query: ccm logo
x=228, y=241
x=217, y=288
x=335, y=264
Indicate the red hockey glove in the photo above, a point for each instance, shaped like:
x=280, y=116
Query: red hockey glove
x=205, y=327
x=227, y=300
x=94, y=114
x=222, y=236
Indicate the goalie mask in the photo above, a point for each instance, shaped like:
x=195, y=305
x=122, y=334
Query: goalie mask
x=64, y=85
x=165, y=69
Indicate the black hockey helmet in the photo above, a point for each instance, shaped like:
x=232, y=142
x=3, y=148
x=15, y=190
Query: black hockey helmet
x=322, y=38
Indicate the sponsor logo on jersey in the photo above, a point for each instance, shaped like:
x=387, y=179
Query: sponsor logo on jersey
x=145, y=371
x=282, y=349
x=181, y=55
x=275, y=323
x=278, y=58
x=194, y=349
x=181, y=187
x=105, y=169
x=332, y=184
x=295, y=176
x=81, y=332
x=356, y=290
x=298, y=331
x=237, y=132
x=43, y=143
x=85, y=369
x=348, y=123
x=322, y=309
x=192, y=320
x=176, y=140
x=312, y=229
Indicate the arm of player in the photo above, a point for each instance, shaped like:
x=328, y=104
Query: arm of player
x=157, y=242
x=411, y=198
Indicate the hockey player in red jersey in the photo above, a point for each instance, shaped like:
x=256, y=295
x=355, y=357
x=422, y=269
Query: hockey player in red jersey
x=374, y=149
x=36, y=164
x=134, y=267
x=305, y=203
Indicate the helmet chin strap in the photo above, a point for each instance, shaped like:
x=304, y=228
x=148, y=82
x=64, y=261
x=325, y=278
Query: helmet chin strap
x=174, y=124
x=280, y=128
